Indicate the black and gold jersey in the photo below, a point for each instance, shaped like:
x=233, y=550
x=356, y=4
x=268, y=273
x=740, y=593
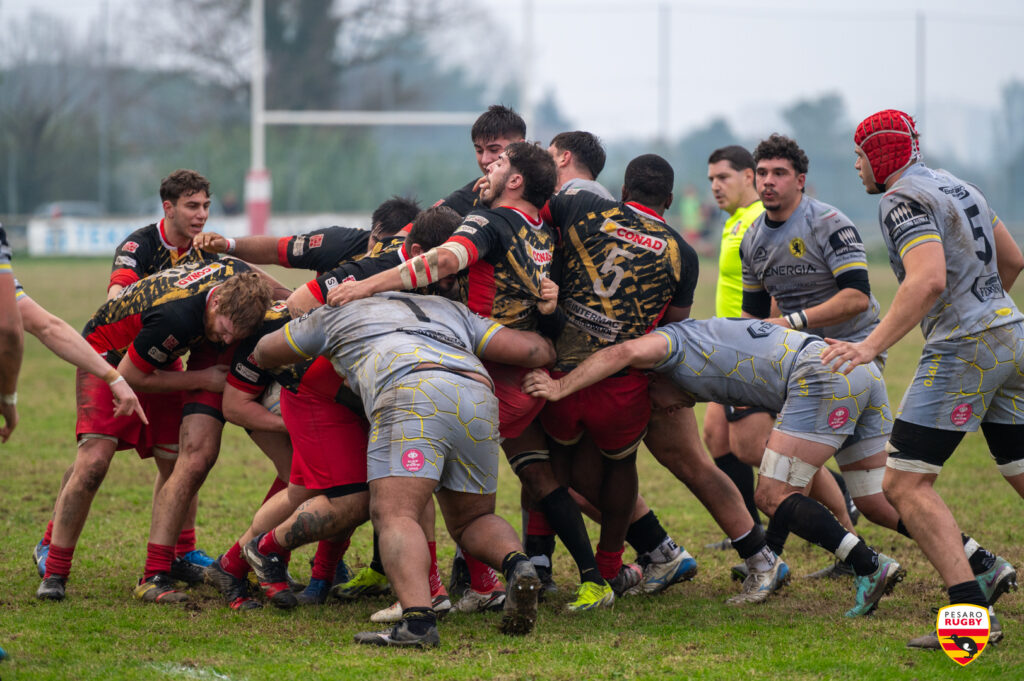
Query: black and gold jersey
x=161, y=317
x=322, y=249
x=621, y=266
x=147, y=251
x=386, y=253
x=509, y=254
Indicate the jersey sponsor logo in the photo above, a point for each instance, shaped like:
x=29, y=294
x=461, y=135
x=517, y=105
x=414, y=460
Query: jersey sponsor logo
x=350, y=277
x=760, y=254
x=130, y=246
x=932, y=371
x=246, y=373
x=540, y=257
x=963, y=630
x=845, y=241
x=957, y=191
x=316, y=241
x=299, y=246
x=797, y=247
x=790, y=270
x=645, y=241
x=157, y=354
x=466, y=229
x=838, y=417
x=170, y=343
x=903, y=218
x=413, y=460
x=125, y=260
x=440, y=337
x=761, y=329
x=279, y=306
x=961, y=414
x=331, y=282
x=987, y=287
x=592, y=322
x=199, y=274
x=475, y=219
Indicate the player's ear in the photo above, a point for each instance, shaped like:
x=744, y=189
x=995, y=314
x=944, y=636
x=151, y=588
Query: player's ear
x=415, y=249
x=625, y=193
x=668, y=202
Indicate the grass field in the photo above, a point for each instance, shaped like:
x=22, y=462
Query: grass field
x=688, y=632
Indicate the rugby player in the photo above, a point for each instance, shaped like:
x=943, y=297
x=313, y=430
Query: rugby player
x=421, y=438
x=955, y=262
x=143, y=332
x=757, y=363
x=12, y=341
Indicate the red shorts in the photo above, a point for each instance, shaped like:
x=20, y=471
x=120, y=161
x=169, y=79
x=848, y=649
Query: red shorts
x=516, y=409
x=614, y=412
x=95, y=405
x=204, y=357
x=328, y=441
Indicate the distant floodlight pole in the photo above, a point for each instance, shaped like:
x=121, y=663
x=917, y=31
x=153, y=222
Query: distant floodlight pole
x=257, y=180
x=920, y=69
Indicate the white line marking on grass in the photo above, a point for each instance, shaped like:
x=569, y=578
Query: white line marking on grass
x=191, y=672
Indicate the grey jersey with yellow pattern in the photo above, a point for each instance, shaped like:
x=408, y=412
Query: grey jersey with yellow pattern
x=378, y=340
x=742, y=362
x=797, y=263
x=928, y=206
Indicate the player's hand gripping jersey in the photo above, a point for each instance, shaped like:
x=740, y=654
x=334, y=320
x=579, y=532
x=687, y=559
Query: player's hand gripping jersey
x=621, y=267
x=146, y=251
x=161, y=317
x=322, y=249
x=927, y=206
x=805, y=262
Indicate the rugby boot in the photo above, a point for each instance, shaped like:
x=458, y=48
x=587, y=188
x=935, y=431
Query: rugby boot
x=158, y=589
x=234, y=590
x=547, y=581
x=272, y=574
x=723, y=545
x=481, y=601
x=660, y=576
x=739, y=572
x=39, y=554
x=837, y=570
x=460, y=581
x=400, y=636
x=393, y=613
x=520, y=613
x=760, y=584
x=52, y=588
x=184, y=571
x=198, y=557
x=315, y=592
x=871, y=588
x=591, y=595
x=630, y=575
x=997, y=580
x=366, y=582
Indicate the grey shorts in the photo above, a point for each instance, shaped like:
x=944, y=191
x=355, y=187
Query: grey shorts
x=832, y=408
x=439, y=425
x=961, y=383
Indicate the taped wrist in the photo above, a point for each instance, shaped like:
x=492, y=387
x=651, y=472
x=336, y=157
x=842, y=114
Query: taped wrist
x=797, y=320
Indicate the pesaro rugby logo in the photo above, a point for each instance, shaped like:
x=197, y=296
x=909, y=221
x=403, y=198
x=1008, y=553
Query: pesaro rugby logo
x=963, y=631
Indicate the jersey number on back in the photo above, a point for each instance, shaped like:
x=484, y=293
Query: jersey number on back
x=979, y=233
x=609, y=266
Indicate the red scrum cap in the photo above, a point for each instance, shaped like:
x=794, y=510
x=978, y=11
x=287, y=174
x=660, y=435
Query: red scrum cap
x=889, y=140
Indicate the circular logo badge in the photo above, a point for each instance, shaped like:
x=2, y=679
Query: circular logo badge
x=413, y=460
x=961, y=414
x=838, y=417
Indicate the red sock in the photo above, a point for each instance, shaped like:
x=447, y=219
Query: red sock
x=537, y=524
x=276, y=487
x=58, y=561
x=234, y=564
x=186, y=542
x=48, y=535
x=481, y=577
x=158, y=559
x=436, y=586
x=268, y=544
x=609, y=562
x=328, y=553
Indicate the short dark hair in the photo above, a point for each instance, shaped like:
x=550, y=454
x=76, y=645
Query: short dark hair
x=183, y=182
x=649, y=179
x=432, y=227
x=738, y=157
x=498, y=121
x=537, y=168
x=587, y=150
x=244, y=299
x=780, y=146
x=394, y=214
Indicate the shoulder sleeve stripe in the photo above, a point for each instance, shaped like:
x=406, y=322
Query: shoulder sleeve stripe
x=5, y=268
x=752, y=287
x=282, y=251
x=123, y=278
x=314, y=288
x=470, y=247
x=995, y=219
x=140, y=363
x=249, y=388
x=848, y=265
x=291, y=341
x=918, y=241
x=488, y=335
x=671, y=349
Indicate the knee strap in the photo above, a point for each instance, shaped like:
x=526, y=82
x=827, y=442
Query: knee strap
x=787, y=469
x=864, y=483
x=520, y=461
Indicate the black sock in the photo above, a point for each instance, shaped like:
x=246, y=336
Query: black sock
x=776, y=534
x=811, y=521
x=981, y=560
x=509, y=562
x=742, y=475
x=375, y=562
x=419, y=620
x=540, y=545
x=565, y=519
x=967, y=592
x=753, y=542
x=646, y=533
x=902, y=529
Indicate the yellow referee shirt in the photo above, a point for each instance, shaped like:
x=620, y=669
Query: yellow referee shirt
x=729, y=292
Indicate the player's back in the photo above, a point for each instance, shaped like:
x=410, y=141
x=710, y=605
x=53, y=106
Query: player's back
x=934, y=205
